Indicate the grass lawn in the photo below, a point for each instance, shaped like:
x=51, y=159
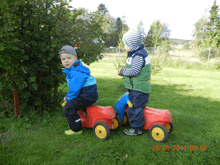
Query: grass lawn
x=192, y=96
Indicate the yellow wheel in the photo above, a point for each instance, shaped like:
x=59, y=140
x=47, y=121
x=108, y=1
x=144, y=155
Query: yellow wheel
x=125, y=119
x=101, y=130
x=124, y=122
x=169, y=127
x=116, y=123
x=158, y=133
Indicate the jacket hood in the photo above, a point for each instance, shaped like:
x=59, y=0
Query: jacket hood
x=133, y=39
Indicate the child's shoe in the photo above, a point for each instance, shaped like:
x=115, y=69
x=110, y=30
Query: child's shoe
x=132, y=132
x=70, y=132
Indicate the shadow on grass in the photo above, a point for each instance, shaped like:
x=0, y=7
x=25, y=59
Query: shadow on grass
x=195, y=116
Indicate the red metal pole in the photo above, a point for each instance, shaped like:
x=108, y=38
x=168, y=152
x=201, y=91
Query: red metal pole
x=16, y=101
x=55, y=91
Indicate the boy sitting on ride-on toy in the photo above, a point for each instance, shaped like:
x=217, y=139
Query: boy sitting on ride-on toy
x=137, y=73
x=82, y=88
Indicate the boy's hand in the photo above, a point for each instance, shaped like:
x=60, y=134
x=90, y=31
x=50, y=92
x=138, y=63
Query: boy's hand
x=64, y=99
x=119, y=70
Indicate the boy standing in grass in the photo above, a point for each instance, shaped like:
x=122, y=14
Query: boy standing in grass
x=82, y=88
x=137, y=79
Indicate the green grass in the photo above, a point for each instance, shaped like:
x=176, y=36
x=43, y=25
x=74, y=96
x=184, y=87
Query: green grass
x=191, y=95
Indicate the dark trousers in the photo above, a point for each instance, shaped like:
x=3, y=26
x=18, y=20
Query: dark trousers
x=136, y=114
x=70, y=112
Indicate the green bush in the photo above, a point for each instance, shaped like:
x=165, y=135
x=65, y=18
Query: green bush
x=186, y=46
x=156, y=66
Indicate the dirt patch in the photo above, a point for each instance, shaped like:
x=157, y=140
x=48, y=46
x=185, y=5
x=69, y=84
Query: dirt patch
x=4, y=137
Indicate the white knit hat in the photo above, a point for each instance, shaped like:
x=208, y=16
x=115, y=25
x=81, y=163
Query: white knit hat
x=133, y=39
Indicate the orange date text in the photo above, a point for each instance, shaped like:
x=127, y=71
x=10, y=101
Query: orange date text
x=179, y=147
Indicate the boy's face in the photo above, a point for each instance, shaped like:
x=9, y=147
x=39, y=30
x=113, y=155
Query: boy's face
x=67, y=60
x=126, y=48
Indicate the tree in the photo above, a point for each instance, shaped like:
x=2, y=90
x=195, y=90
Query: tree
x=87, y=27
x=117, y=30
x=108, y=29
x=107, y=25
x=124, y=30
x=112, y=29
x=156, y=34
x=207, y=32
x=140, y=27
x=31, y=34
x=200, y=31
x=213, y=18
x=102, y=10
x=118, y=64
x=212, y=31
x=118, y=25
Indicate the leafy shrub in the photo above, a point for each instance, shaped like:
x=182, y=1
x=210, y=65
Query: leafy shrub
x=186, y=46
x=204, y=53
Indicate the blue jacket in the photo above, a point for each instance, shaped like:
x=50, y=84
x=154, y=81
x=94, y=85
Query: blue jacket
x=80, y=82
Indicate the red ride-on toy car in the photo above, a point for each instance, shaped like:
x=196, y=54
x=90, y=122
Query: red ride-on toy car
x=157, y=121
x=101, y=119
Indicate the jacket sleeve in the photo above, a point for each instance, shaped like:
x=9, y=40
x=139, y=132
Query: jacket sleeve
x=135, y=69
x=75, y=85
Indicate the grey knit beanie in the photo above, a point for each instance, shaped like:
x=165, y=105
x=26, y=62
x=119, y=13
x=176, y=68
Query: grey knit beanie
x=67, y=50
x=133, y=39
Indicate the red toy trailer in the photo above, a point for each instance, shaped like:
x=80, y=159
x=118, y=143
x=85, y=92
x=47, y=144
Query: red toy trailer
x=101, y=119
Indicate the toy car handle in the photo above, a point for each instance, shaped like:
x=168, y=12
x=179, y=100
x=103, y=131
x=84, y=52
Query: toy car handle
x=64, y=103
x=129, y=104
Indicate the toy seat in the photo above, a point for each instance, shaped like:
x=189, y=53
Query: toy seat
x=96, y=113
x=156, y=116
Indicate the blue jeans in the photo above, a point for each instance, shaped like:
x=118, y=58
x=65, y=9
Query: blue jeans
x=136, y=114
x=70, y=112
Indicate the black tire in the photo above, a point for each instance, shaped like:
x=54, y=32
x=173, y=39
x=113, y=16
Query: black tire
x=101, y=130
x=158, y=133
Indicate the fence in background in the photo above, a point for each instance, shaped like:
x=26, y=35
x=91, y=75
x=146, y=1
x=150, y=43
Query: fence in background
x=173, y=53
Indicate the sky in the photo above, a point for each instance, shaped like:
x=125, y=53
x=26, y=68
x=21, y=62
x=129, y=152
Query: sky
x=179, y=15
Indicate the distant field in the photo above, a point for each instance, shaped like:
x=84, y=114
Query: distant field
x=188, y=55
x=185, y=57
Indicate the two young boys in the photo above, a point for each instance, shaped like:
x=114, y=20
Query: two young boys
x=83, y=90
